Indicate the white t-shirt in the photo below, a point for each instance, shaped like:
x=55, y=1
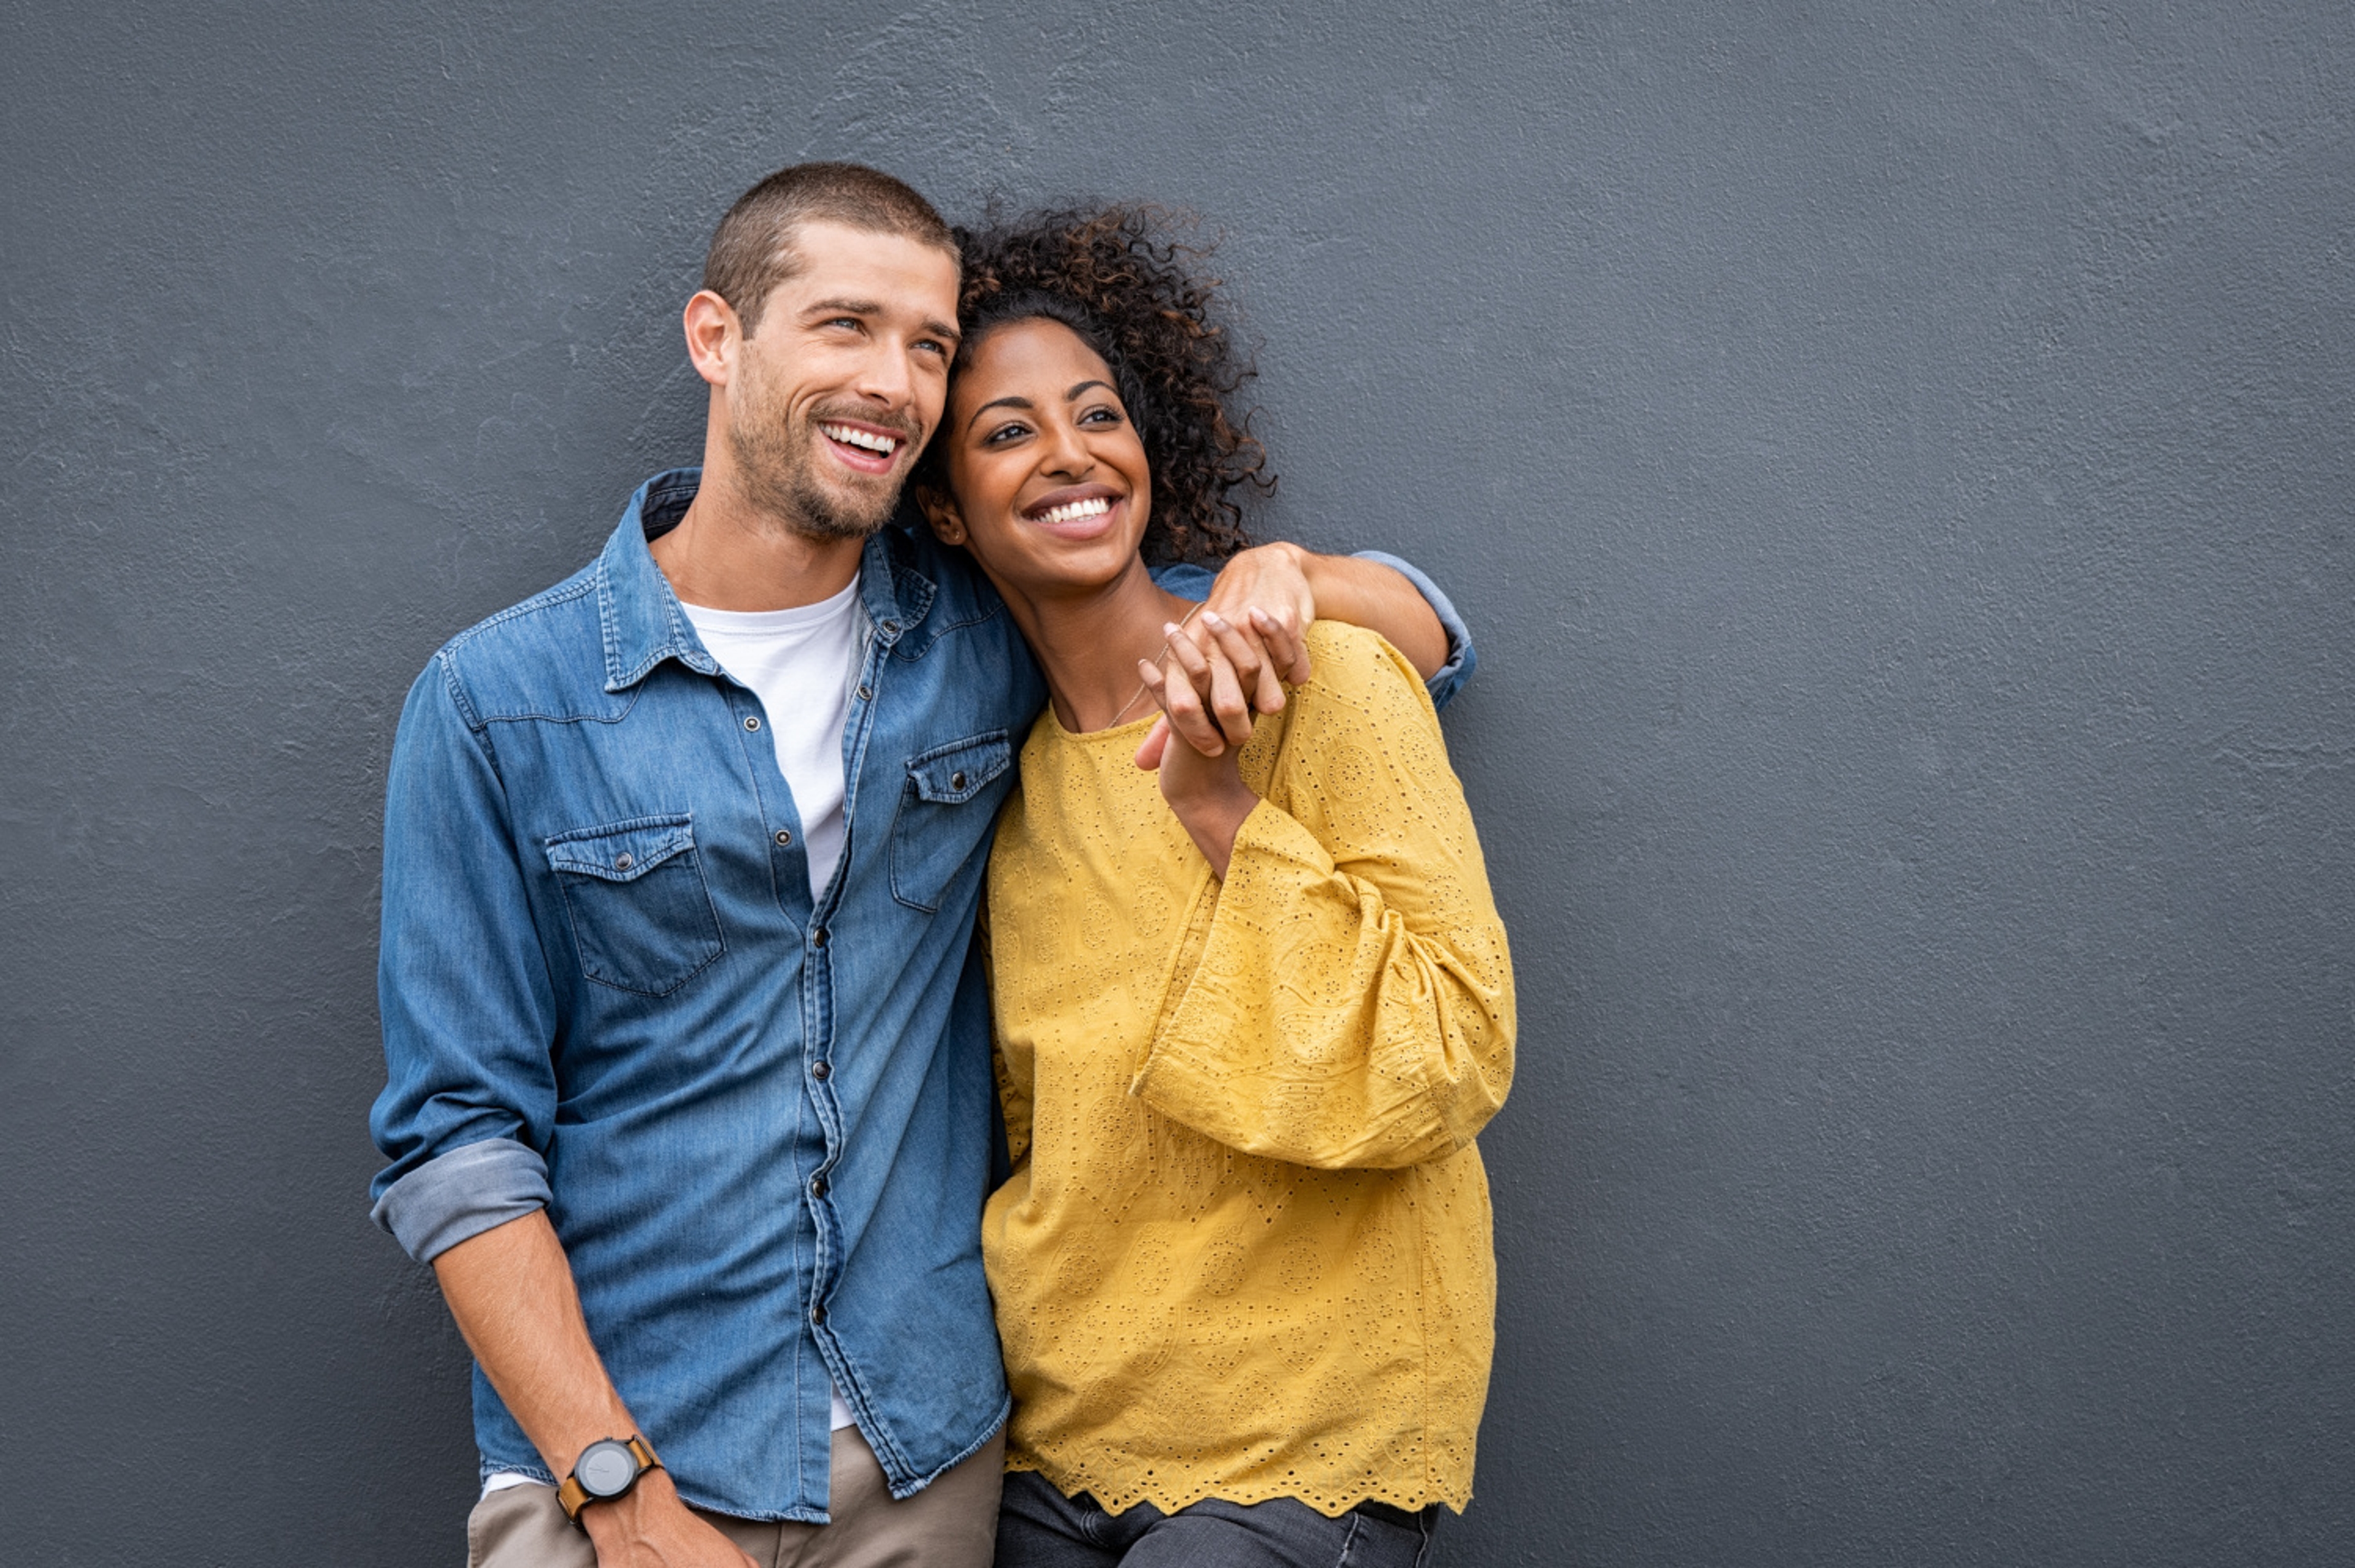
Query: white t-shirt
x=800, y=663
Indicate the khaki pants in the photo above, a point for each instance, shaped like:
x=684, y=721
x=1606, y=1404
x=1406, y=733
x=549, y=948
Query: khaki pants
x=952, y=1523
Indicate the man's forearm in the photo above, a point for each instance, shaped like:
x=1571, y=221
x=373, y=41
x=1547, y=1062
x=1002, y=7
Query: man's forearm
x=511, y=1290
x=1369, y=594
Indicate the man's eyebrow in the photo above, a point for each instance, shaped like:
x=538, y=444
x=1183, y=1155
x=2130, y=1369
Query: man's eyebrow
x=943, y=329
x=844, y=308
x=997, y=404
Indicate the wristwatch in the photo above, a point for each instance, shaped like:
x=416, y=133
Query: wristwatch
x=606, y=1468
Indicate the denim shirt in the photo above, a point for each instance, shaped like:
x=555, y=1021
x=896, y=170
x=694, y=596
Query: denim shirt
x=761, y=1124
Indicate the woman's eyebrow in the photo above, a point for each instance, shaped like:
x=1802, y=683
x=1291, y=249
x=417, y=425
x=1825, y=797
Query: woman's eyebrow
x=1083, y=386
x=1000, y=403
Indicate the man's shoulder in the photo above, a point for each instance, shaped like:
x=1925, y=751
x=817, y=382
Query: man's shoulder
x=542, y=657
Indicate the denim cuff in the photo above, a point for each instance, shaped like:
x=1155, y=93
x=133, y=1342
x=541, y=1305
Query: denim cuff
x=460, y=1194
x=1461, y=660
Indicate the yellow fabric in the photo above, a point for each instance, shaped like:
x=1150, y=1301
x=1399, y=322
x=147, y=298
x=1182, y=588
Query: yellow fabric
x=1245, y=1250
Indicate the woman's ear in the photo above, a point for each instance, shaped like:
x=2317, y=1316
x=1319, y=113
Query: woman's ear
x=948, y=524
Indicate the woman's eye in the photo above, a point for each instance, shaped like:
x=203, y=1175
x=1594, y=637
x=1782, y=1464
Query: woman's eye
x=1100, y=416
x=1003, y=434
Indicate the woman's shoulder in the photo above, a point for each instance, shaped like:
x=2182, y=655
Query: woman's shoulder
x=1354, y=662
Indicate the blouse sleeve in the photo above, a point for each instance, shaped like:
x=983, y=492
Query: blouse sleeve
x=1345, y=996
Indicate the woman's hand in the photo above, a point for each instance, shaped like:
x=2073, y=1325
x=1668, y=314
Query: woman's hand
x=1206, y=793
x=1210, y=665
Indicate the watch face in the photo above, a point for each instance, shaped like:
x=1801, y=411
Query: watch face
x=606, y=1468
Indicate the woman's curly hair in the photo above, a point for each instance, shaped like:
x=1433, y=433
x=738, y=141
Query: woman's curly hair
x=1128, y=280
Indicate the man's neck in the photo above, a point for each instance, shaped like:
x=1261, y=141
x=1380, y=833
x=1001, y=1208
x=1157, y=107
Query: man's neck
x=728, y=554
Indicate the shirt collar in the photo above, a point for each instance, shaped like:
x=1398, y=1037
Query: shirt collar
x=641, y=618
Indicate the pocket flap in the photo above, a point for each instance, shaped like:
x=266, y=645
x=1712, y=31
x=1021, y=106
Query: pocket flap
x=956, y=771
x=623, y=851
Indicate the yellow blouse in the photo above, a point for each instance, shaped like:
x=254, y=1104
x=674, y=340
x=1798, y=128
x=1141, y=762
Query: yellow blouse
x=1245, y=1250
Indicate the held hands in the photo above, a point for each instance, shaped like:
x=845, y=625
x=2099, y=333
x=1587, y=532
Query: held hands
x=1215, y=677
x=1248, y=639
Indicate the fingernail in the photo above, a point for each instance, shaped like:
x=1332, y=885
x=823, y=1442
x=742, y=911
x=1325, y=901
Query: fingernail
x=1212, y=619
x=1171, y=628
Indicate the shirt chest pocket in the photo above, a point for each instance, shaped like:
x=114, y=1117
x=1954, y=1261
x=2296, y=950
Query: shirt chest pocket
x=634, y=891
x=945, y=808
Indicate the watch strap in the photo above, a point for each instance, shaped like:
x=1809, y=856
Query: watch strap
x=573, y=1496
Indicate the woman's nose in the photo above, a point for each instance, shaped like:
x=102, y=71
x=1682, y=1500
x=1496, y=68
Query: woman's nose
x=1067, y=452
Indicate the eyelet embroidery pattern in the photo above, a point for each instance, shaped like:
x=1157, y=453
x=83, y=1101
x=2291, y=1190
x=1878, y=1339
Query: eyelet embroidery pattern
x=1245, y=1252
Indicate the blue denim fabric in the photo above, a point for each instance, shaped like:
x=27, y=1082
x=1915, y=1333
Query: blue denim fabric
x=760, y=1126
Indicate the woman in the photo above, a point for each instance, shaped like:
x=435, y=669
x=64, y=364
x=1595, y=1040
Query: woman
x=1249, y=1016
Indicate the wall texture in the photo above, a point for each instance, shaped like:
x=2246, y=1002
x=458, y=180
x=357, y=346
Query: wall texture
x=1897, y=460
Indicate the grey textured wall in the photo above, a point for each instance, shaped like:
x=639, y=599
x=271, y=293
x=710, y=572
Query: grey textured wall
x=1897, y=460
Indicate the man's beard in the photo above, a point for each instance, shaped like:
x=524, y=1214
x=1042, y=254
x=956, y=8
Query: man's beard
x=777, y=461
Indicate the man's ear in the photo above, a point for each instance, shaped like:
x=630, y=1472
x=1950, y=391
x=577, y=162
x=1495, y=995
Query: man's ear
x=948, y=524
x=713, y=330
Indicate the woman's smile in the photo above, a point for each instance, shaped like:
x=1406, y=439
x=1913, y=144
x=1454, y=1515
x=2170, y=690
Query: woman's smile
x=1078, y=512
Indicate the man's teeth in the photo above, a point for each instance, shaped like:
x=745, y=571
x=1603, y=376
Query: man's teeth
x=852, y=436
x=1072, y=511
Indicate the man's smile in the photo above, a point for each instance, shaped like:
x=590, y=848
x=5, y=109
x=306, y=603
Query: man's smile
x=866, y=448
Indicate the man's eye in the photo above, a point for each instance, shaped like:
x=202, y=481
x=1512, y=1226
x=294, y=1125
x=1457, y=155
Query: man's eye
x=929, y=346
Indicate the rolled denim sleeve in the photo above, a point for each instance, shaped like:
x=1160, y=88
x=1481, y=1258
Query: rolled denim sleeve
x=1194, y=583
x=469, y=1014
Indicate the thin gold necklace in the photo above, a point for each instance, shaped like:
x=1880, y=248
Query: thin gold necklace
x=1145, y=686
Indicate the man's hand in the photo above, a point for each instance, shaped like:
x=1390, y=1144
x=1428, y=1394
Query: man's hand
x=648, y=1527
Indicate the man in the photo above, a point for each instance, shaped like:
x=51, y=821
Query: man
x=689, y=1099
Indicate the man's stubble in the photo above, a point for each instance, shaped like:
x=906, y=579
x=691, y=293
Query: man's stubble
x=777, y=460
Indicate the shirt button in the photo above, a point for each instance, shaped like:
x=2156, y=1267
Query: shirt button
x=821, y=1071
x=817, y=937
x=818, y=1313
x=817, y=1186
x=785, y=835
x=957, y=781
x=624, y=863
x=752, y=721
x=866, y=693
x=890, y=628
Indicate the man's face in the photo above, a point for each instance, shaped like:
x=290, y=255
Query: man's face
x=842, y=381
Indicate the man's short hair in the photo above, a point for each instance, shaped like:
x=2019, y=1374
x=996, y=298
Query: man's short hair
x=753, y=249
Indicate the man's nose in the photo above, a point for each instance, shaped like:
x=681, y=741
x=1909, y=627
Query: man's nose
x=887, y=376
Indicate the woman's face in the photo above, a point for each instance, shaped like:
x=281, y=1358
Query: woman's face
x=1046, y=474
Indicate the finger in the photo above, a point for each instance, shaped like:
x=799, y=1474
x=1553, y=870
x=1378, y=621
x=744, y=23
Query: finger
x=1255, y=670
x=1183, y=703
x=1156, y=741
x=1286, y=647
x=1228, y=705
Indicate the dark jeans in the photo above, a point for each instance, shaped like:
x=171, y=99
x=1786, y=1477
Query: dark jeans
x=1038, y=1527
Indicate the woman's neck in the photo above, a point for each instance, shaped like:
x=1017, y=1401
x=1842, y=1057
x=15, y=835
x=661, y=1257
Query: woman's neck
x=1088, y=642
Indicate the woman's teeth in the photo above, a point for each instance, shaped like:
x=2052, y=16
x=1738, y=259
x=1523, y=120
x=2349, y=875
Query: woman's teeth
x=852, y=436
x=1072, y=511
